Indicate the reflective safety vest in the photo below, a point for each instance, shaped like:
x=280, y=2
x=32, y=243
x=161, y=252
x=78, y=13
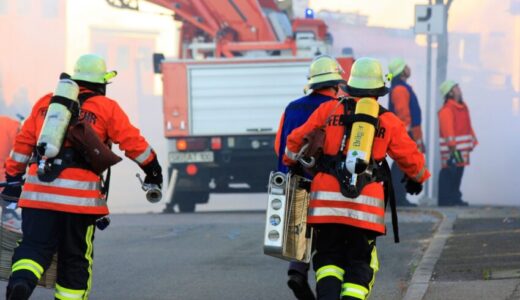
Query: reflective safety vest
x=403, y=102
x=456, y=132
x=76, y=190
x=328, y=204
x=8, y=129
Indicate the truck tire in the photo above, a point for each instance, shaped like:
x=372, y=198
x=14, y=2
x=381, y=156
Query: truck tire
x=186, y=206
x=187, y=201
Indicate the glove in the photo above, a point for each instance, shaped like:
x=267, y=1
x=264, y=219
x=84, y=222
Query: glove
x=153, y=173
x=412, y=187
x=12, y=191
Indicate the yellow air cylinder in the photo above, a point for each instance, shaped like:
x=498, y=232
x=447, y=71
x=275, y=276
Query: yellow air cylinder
x=57, y=119
x=361, y=138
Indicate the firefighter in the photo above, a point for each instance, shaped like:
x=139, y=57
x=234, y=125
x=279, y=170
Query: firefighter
x=457, y=140
x=403, y=103
x=8, y=129
x=58, y=215
x=347, y=221
x=324, y=79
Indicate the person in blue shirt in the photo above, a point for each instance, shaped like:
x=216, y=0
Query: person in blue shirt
x=404, y=104
x=324, y=80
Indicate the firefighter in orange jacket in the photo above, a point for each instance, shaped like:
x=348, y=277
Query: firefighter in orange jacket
x=457, y=140
x=324, y=79
x=8, y=129
x=403, y=102
x=58, y=215
x=346, y=226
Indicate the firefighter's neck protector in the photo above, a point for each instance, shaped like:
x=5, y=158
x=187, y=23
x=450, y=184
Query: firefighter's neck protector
x=324, y=72
x=92, y=68
x=366, y=79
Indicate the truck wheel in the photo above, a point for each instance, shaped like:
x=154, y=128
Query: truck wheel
x=186, y=206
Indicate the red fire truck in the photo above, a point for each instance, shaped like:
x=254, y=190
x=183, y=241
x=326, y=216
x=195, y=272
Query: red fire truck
x=240, y=63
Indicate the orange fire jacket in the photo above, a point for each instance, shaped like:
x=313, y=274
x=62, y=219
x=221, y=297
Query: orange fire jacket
x=8, y=130
x=75, y=190
x=456, y=132
x=327, y=204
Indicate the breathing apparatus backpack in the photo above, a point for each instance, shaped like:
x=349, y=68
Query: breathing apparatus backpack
x=86, y=150
x=358, y=168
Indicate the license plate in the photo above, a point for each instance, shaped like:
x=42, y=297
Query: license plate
x=191, y=157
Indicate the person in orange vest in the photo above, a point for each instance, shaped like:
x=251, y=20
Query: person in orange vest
x=8, y=129
x=457, y=140
x=403, y=102
x=347, y=221
x=60, y=208
x=324, y=79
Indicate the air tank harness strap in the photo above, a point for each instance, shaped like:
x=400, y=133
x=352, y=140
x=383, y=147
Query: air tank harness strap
x=71, y=105
x=66, y=158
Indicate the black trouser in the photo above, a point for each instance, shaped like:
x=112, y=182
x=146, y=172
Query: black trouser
x=450, y=179
x=399, y=189
x=345, y=262
x=46, y=232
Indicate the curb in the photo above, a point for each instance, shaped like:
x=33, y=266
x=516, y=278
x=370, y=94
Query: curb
x=421, y=277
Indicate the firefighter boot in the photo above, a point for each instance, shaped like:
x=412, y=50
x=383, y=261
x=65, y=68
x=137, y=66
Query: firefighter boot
x=19, y=289
x=300, y=286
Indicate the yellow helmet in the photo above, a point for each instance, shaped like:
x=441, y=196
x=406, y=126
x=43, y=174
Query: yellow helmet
x=446, y=87
x=366, y=78
x=396, y=66
x=92, y=68
x=324, y=71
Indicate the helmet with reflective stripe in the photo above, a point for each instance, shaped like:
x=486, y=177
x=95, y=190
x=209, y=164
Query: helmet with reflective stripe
x=446, y=87
x=324, y=71
x=396, y=66
x=92, y=68
x=366, y=78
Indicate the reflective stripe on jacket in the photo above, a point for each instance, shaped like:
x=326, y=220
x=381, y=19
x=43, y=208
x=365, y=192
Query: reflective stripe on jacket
x=327, y=204
x=75, y=190
x=456, y=132
x=8, y=129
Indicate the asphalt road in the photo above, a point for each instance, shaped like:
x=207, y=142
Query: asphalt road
x=218, y=255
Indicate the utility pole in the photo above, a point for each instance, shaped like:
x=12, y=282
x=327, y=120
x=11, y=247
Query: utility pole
x=429, y=108
x=441, y=73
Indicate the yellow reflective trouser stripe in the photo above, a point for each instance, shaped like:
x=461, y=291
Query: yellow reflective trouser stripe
x=374, y=264
x=330, y=270
x=354, y=290
x=66, y=294
x=88, y=256
x=29, y=265
x=63, y=293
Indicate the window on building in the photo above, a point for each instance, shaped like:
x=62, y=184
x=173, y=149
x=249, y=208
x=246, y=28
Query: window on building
x=50, y=8
x=123, y=57
x=3, y=7
x=23, y=6
x=101, y=50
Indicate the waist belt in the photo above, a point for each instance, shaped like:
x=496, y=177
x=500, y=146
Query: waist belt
x=335, y=166
x=377, y=172
x=66, y=158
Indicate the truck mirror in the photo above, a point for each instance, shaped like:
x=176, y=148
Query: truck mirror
x=157, y=61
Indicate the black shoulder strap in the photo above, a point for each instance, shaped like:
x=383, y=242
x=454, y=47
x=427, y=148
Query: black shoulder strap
x=390, y=197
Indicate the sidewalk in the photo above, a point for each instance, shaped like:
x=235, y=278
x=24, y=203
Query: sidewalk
x=475, y=254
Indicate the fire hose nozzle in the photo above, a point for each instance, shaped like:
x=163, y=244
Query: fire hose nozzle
x=153, y=192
